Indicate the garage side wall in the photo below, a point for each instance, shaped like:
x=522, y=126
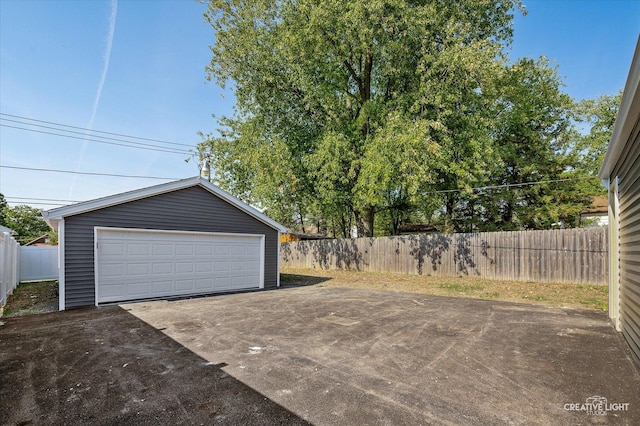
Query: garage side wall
x=627, y=172
x=190, y=209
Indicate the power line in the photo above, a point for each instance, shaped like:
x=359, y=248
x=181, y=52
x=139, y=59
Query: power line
x=507, y=185
x=80, y=133
x=91, y=130
x=513, y=185
x=87, y=173
x=128, y=145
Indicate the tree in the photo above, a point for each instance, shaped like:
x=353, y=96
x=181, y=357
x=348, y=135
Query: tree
x=349, y=109
x=533, y=135
x=3, y=205
x=26, y=221
x=543, y=172
x=590, y=148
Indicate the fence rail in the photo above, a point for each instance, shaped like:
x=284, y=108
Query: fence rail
x=561, y=256
x=9, y=258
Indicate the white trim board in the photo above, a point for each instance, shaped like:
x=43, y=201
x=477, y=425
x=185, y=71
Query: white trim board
x=61, y=266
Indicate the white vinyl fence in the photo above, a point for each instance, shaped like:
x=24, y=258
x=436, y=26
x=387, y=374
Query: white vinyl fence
x=9, y=258
x=38, y=263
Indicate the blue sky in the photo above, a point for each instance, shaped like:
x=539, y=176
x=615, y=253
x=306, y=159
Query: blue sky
x=136, y=67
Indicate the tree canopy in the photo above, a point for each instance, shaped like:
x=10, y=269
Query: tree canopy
x=26, y=221
x=348, y=111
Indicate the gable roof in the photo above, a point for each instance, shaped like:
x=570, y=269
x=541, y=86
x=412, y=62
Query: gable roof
x=599, y=205
x=42, y=239
x=53, y=216
x=626, y=119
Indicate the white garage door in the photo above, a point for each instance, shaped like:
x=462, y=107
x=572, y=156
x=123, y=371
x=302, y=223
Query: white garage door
x=138, y=264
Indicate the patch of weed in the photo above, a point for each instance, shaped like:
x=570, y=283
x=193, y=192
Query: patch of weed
x=594, y=302
x=32, y=298
x=535, y=297
x=490, y=295
x=462, y=288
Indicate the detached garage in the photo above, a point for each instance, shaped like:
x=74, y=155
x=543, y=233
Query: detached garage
x=182, y=238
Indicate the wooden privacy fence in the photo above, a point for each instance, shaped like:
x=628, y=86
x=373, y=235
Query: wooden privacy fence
x=563, y=256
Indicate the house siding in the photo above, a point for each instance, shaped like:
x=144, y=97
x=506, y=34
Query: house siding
x=627, y=170
x=189, y=209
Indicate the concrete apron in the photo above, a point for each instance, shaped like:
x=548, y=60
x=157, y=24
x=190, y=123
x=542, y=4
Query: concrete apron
x=343, y=356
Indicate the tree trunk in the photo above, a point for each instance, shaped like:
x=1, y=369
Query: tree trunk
x=302, y=223
x=365, y=221
x=448, y=213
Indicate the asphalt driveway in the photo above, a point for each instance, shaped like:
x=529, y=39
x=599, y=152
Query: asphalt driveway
x=323, y=355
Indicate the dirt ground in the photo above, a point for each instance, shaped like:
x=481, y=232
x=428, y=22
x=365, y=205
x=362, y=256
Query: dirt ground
x=548, y=294
x=103, y=366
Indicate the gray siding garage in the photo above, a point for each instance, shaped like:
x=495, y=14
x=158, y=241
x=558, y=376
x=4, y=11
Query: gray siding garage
x=181, y=238
x=621, y=172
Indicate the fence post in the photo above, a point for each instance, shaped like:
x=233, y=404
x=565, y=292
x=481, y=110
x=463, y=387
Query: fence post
x=9, y=248
x=3, y=269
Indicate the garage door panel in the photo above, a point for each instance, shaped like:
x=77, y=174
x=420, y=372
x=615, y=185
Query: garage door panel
x=184, y=267
x=204, y=250
x=222, y=266
x=113, y=248
x=109, y=291
x=222, y=250
x=162, y=287
x=184, y=285
x=239, y=281
x=204, y=283
x=253, y=250
x=204, y=267
x=185, y=250
x=138, y=249
x=222, y=282
x=163, y=250
x=134, y=269
x=147, y=264
x=136, y=289
x=113, y=270
x=162, y=268
x=238, y=251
